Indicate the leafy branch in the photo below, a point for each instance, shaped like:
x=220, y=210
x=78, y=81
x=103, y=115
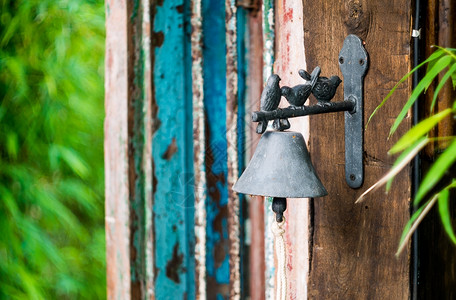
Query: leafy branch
x=414, y=140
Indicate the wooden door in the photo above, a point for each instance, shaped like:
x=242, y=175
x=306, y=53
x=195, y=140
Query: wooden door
x=181, y=80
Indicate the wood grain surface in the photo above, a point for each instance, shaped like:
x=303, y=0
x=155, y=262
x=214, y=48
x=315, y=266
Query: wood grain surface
x=353, y=245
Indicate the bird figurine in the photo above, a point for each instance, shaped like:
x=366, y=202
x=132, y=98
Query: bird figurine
x=298, y=95
x=325, y=89
x=309, y=77
x=270, y=99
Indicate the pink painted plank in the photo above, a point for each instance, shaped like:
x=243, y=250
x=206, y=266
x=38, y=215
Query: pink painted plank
x=290, y=57
x=116, y=151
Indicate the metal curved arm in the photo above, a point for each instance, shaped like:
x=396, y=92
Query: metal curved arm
x=299, y=111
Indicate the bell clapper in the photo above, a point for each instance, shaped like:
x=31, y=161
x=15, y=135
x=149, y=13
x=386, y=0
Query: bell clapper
x=279, y=205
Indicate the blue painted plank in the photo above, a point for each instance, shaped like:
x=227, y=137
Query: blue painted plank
x=217, y=258
x=243, y=126
x=173, y=199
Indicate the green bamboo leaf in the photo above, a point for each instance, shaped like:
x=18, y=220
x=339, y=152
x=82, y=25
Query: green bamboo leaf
x=415, y=220
x=410, y=152
x=422, y=85
x=73, y=160
x=9, y=202
x=444, y=211
x=436, y=171
x=418, y=131
x=12, y=145
x=395, y=170
x=448, y=51
x=432, y=57
x=410, y=222
x=441, y=84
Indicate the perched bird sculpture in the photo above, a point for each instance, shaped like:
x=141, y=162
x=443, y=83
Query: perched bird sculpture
x=325, y=89
x=298, y=95
x=270, y=99
x=309, y=77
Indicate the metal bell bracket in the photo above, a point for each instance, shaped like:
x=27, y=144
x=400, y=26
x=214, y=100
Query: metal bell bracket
x=353, y=62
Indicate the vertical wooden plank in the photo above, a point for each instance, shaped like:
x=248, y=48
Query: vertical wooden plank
x=128, y=151
x=116, y=152
x=199, y=155
x=232, y=148
x=290, y=57
x=429, y=36
x=242, y=133
x=354, y=245
x=268, y=62
x=446, y=38
x=214, y=75
x=255, y=203
x=173, y=200
x=146, y=161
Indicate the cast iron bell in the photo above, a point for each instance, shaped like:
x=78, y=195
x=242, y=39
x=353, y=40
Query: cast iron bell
x=281, y=168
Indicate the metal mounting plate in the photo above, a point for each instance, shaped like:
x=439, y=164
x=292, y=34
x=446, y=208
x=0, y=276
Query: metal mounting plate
x=353, y=62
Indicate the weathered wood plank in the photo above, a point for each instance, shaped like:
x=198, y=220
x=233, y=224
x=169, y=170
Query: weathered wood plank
x=429, y=37
x=128, y=151
x=446, y=38
x=290, y=57
x=199, y=153
x=139, y=150
x=234, y=233
x=214, y=75
x=173, y=207
x=116, y=152
x=353, y=245
x=268, y=13
x=255, y=203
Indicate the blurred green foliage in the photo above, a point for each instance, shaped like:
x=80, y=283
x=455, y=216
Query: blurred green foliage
x=51, y=149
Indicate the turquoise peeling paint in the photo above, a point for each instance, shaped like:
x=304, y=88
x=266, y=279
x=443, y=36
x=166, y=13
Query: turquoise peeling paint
x=189, y=184
x=173, y=196
x=173, y=201
x=214, y=75
x=242, y=127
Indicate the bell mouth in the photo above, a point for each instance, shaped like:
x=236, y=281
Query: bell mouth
x=281, y=167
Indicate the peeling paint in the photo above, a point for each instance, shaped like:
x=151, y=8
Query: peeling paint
x=171, y=150
x=199, y=154
x=214, y=75
x=173, y=208
x=174, y=266
x=157, y=38
x=180, y=8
